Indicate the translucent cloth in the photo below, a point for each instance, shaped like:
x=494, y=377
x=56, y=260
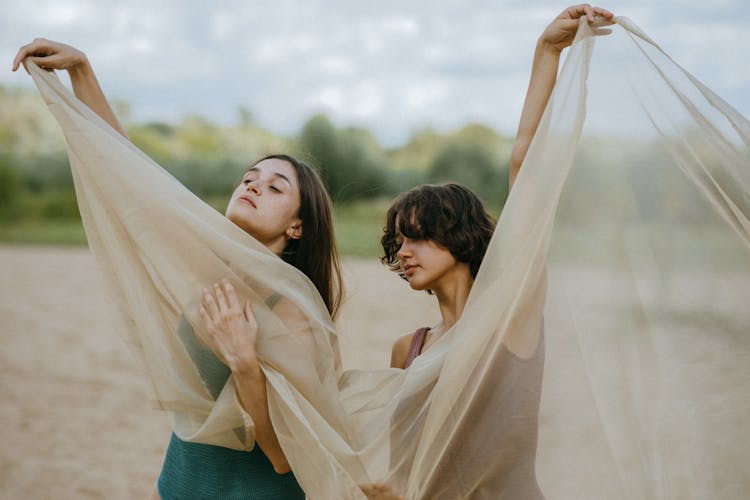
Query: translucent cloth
x=630, y=233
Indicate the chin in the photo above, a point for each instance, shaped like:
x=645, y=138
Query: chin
x=240, y=222
x=416, y=285
x=234, y=218
x=239, y=216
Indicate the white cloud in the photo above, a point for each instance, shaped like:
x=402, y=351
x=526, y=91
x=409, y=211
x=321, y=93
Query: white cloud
x=390, y=66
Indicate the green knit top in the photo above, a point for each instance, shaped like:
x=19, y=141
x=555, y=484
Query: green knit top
x=202, y=471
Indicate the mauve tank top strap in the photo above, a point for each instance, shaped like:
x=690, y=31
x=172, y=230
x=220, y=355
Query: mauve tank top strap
x=415, y=348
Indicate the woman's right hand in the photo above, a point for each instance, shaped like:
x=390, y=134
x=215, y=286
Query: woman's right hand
x=231, y=327
x=380, y=491
x=50, y=55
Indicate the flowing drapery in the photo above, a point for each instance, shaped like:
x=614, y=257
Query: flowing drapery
x=627, y=227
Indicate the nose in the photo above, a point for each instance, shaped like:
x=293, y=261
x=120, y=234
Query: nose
x=253, y=187
x=403, y=251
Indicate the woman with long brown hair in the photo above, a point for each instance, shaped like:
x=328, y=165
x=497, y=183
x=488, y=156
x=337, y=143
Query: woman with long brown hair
x=282, y=203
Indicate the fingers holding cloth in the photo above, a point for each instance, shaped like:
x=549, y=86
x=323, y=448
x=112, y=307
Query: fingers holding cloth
x=49, y=55
x=561, y=32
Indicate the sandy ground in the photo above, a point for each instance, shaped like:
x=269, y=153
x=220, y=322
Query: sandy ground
x=76, y=422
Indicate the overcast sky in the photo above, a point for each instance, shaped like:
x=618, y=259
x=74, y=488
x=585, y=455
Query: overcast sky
x=390, y=66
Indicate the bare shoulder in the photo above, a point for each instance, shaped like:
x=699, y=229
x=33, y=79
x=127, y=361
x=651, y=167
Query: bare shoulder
x=401, y=350
x=282, y=306
x=290, y=314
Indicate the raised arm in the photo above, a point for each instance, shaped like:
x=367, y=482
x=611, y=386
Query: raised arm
x=558, y=35
x=51, y=55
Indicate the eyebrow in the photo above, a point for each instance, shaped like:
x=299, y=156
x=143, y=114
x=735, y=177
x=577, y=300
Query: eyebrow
x=282, y=176
x=277, y=174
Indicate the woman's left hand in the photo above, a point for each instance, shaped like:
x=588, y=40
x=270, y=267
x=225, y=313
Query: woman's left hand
x=561, y=32
x=231, y=327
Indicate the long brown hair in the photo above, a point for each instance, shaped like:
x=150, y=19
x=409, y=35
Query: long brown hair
x=315, y=252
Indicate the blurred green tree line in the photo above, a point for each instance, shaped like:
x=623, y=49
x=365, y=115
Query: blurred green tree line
x=36, y=183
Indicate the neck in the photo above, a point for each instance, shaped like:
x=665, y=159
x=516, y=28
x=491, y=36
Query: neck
x=452, y=291
x=277, y=245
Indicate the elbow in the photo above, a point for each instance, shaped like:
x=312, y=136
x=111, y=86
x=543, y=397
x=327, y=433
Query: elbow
x=119, y=129
x=518, y=155
x=281, y=466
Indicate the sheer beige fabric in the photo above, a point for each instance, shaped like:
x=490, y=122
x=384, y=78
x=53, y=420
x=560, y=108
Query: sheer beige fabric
x=627, y=227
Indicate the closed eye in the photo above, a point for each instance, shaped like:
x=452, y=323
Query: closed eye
x=274, y=189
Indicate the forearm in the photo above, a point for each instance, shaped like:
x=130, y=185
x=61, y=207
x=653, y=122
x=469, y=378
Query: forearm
x=86, y=88
x=251, y=389
x=541, y=83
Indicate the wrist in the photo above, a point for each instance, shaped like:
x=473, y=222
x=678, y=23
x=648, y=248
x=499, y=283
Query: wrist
x=80, y=67
x=245, y=366
x=547, y=49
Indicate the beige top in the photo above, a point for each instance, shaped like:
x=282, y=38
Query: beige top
x=509, y=394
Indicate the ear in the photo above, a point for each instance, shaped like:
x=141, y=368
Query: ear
x=294, y=232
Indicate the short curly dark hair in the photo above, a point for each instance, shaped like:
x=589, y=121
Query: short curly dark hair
x=450, y=215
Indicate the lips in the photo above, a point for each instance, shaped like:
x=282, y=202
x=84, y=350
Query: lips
x=408, y=268
x=246, y=199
